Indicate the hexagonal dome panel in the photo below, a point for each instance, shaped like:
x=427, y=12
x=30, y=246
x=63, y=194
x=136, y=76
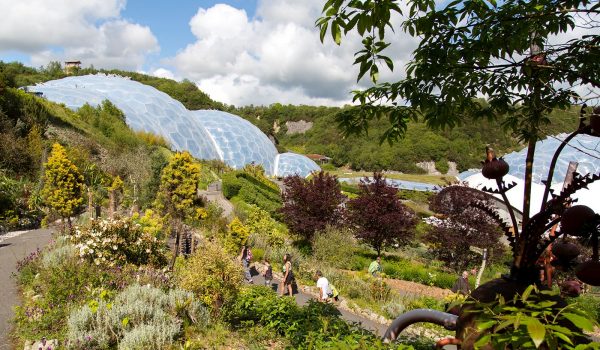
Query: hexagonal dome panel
x=145, y=108
x=207, y=134
x=238, y=141
x=544, y=150
x=287, y=164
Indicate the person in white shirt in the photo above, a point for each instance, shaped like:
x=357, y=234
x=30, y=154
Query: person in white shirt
x=324, y=289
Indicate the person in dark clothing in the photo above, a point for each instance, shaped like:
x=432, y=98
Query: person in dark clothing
x=462, y=284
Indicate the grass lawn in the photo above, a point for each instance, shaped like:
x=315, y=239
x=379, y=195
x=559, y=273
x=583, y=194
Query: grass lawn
x=429, y=179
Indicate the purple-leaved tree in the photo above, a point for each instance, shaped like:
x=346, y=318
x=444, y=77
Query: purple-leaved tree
x=378, y=216
x=310, y=205
x=463, y=225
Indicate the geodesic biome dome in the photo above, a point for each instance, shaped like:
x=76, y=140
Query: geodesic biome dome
x=288, y=164
x=582, y=149
x=238, y=141
x=206, y=134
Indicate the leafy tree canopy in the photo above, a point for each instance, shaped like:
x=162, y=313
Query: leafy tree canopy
x=515, y=53
x=179, y=183
x=464, y=225
x=512, y=52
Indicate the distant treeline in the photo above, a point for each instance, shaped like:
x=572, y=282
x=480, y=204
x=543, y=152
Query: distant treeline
x=464, y=144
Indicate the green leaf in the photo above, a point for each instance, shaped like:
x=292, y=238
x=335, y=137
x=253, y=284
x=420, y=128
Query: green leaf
x=336, y=33
x=364, y=67
x=323, y=31
x=580, y=321
x=503, y=325
x=537, y=331
x=564, y=338
x=526, y=293
x=486, y=325
x=482, y=341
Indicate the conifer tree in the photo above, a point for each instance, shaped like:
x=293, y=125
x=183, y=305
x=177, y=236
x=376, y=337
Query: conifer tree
x=178, y=192
x=63, y=184
x=237, y=235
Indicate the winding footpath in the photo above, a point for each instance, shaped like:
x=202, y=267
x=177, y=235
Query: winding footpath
x=15, y=246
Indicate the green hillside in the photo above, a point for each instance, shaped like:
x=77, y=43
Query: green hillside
x=97, y=139
x=464, y=144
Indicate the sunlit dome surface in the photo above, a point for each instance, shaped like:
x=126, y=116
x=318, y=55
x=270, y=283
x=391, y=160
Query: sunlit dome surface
x=206, y=134
x=145, y=108
x=238, y=141
x=583, y=149
x=287, y=164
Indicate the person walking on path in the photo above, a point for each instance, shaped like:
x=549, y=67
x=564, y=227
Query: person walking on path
x=325, y=292
x=245, y=257
x=288, y=275
x=375, y=267
x=462, y=284
x=268, y=273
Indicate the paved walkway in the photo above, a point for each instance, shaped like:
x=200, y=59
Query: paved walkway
x=14, y=246
x=303, y=298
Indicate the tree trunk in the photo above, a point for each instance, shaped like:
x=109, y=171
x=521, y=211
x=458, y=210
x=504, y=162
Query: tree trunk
x=177, y=229
x=522, y=242
x=90, y=202
x=528, y=180
x=111, y=204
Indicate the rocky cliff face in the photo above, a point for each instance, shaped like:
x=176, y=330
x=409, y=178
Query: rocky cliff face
x=299, y=127
x=452, y=170
x=429, y=167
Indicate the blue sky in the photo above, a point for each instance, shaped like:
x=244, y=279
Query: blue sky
x=240, y=52
x=169, y=23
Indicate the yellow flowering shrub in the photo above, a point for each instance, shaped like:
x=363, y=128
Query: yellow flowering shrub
x=237, y=235
x=212, y=274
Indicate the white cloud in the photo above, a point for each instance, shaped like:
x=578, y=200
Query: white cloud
x=242, y=90
x=274, y=57
x=86, y=30
x=164, y=73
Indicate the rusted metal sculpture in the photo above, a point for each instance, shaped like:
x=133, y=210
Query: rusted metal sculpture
x=529, y=240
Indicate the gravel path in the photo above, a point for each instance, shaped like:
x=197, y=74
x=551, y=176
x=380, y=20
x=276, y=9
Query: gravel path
x=15, y=246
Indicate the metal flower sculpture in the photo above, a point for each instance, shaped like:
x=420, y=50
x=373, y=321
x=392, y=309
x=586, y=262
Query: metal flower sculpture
x=528, y=240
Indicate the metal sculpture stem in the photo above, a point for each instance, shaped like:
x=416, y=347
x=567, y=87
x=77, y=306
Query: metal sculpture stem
x=444, y=319
x=511, y=212
x=553, y=165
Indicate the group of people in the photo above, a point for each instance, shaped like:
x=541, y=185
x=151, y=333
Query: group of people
x=245, y=257
x=327, y=291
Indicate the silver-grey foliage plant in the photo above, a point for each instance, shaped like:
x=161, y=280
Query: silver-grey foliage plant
x=139, y=317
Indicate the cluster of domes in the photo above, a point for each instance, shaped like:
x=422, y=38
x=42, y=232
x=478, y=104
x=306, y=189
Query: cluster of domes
x=206, y=134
